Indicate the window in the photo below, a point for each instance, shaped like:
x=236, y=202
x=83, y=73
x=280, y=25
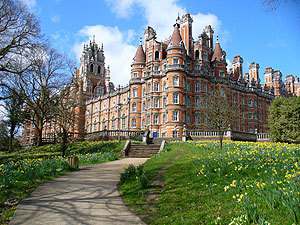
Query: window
x=164, y=118
x=243, y=113
x=103, y=124
x=175, y=81
x=184, y=82
x=204, y=56
x=250, y=115
x=197, y=119
x=156, y=102
x=143, y=106
x=123, y=121
x=95, y=125
x=198, y=86
x=143, y=122
x=205, y=87
x=260, y=116
x=205, y=119
x=250, y=129
x=135, y=75
x=32, y=133
x=197, y=102
x=175, y=133
x=222, y=92
x=250, y=101
x=113, y=123
x=243, y=99
x=234, y=97
x=222, y=74
x=188, y=101
x=175, y=61
x=133, y=122
x=134, y=107
x=134, y=92
x=155, y=119
x=204, y=103
x=188, y=118
x=148, y=103
x=188, y=87
x=91, y=68
x=197, y=67
x=184, y=99
x=156, y=55
x=259, y=103
x=156, y=86
x=149, y=56
x=149, y=87
x=156, y=68
x=99, y=69
x=197, y=54
x=164, y=102
x=164, y=86
x=175, y=116
x=143, y=93
x=175, y=98
x=148, y=119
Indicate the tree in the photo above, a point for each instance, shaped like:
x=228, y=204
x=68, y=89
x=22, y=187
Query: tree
x=284, y=120
x=272, y=5
x=16, y=114
x=41, y=85
x=19, y=33
x=220, y=111
x=65, y=114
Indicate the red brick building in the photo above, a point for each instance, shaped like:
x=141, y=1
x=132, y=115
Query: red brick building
x=169, y=84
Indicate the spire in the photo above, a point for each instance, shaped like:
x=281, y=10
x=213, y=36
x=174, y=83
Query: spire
x=218, y=53
x=140, y=54
x=176, y=37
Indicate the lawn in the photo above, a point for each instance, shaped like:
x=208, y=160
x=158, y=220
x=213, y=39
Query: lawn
x=22, y=172
x=196, y=183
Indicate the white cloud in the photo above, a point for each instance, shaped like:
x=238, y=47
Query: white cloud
x=117, y=49
x=229, y=64
x=29, y=3
x=55, y=18
x=161, y=15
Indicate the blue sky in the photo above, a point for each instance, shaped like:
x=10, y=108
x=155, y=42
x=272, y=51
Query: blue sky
x=244, y=28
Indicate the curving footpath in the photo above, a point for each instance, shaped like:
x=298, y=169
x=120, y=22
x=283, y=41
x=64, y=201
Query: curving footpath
x=87, y=196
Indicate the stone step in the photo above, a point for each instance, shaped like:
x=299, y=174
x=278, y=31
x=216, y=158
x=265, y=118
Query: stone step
x=143, y=151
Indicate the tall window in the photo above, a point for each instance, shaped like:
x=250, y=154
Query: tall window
x=156, y=102
x=188, y=118
x=148, y=103
x=156, y=68
x=133, y=122
x=134, y=107
x=164, y=86
x=197, y=54
x=197, y=102
x=175, y=81
x=113, y=123
x=148, y=119
x=91, y=68
x=134, y=92
x=222, y=92
x=99, y=69
x=149, y=87
x=164, y=102
x=175, y=133
x=135, y=75
x=188, y=101
x=197, y=86
x=175, y=115
x=175, y=98
x=143, y=106
x=250, y=101
x=95, y=125
x=156, y=55
x=197, y=119
x=164, y=118
x=103, y=124
x=123, y=121
x=155, y=119
x=143, y=93
x=205, y=87
x=156, y=86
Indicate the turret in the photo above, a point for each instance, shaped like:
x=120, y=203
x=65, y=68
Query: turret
x=253, y=72
x=186, y=32
x=237, y=64
x=218, y=61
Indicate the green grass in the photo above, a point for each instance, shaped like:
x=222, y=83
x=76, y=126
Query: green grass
x=23, y=172
x=251, y=182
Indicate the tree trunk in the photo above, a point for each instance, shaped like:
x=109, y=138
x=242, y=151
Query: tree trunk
x=64, y=142
x=40, y=134
x=221, y=133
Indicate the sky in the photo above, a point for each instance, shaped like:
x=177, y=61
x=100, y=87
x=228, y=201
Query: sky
x=244, y=28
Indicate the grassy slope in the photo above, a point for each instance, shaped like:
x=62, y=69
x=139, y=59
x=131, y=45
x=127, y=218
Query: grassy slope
x=190, y=198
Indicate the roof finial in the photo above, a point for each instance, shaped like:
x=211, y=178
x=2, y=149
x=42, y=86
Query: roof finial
x=102, y=47
x=140, y=40
x=217, y=38
x=178, y=18
x=94, y=38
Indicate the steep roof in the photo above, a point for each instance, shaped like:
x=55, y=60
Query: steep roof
x=218, y=53
x=176, y=37
x=140, y=55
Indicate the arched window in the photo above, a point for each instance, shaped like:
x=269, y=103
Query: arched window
x=156, y=55
x=91, y=68
x=123, y=121
x=197, y=54
x=99, y=69
x=113, y=123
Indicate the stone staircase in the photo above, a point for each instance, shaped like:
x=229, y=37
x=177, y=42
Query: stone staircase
x=143, y=151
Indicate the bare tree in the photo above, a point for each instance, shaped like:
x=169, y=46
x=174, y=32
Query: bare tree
x=220, y=112
x=272, y=5
x=19, y=33
x=15, y=115
x=65, y=114
x=41, y=85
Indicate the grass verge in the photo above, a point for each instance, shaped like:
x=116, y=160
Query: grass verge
x=245, y=183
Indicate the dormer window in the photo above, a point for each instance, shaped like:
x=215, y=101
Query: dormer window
x=197, y=54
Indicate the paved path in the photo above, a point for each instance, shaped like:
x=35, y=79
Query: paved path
x=88, y=196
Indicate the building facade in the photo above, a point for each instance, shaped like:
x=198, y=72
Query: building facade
x=169, y=85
